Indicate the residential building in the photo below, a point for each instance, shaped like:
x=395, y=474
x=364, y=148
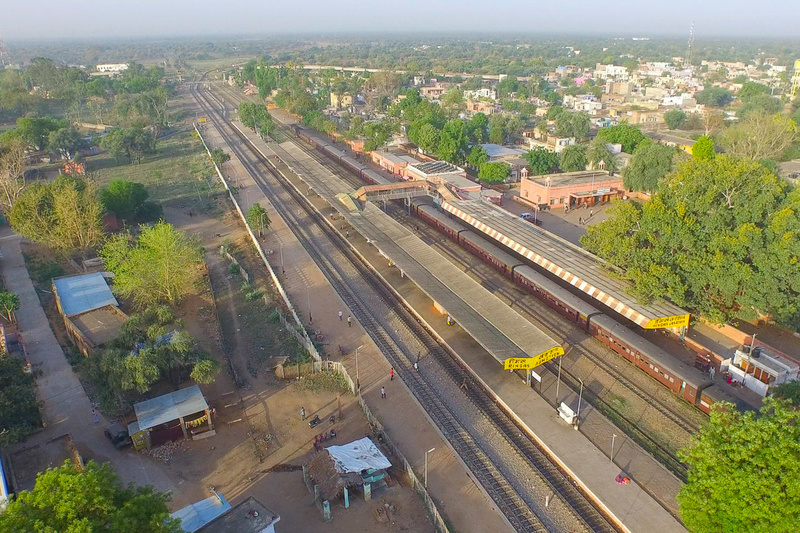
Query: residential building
x=487, y=108
x=345, y=100
x=570, y=189
x=250, y=516
x=497, y=152
x=485, y=92
x=434, y=92
x=112, y=67
x=647, y=118
x=673, y=140
x=611, y=72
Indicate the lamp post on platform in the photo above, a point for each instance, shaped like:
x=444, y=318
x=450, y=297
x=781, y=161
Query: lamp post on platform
x=426, y=466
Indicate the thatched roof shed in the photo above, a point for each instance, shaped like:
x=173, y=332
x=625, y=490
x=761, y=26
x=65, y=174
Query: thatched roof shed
x=337, y=467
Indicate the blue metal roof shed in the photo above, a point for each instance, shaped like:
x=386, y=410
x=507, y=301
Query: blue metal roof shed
x=79, y=294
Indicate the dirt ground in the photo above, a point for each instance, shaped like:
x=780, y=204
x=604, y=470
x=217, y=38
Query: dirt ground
x=261, y=441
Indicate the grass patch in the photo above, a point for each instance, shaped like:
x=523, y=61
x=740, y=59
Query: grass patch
x=42, y=271
x=325, y=382
x=180, y=172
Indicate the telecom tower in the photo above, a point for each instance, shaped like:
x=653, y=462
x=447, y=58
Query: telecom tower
x=796, y=79
x=5, y=55
x=688, y=61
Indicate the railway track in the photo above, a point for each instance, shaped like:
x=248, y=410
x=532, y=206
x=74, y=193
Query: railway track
x=514, y=506
x=541, y=315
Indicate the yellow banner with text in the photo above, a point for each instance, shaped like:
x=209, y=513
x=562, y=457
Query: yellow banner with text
x=527, y=363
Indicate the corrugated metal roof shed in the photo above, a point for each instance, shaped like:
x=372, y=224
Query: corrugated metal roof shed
x=79, y=294
x=163, y=409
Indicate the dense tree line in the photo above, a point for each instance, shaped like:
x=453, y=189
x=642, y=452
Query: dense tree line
x=719, y=237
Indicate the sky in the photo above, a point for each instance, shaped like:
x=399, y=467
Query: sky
x=87, y=19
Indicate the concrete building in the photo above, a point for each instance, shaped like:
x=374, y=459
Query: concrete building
x=673, y=140
x=112, y=68
x=485, y=92
x=759, y=369
x=552, y=191
x=346, y=100
x=497, y=152
x=392, y=161
x=250, y=516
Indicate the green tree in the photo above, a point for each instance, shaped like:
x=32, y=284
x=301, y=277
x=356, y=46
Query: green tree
x=750, y=89
x=9, y=302
x=12, y=174
x=124, y=198
x=625, y=134
x=542, y=161
x=219, y=157
x=133, y=143
x=788, y=390
x=703, y=148
x=600, y=156
x=162, y=265
x=744, y=471
x=71, y=500
x=257, y=217
x=478, y=127
x=65, y=141
x=19, y=408
x=648, y=166
x=760, y=103
x=63, y=215
x=714, y=96
x=573, y=158
x=36, y=130
x=497, y=129
x=477, y=156
x=760, y=136
x=717, y=237
x=426, y=137
x=573, y=125
x=494, y=172
x=674, y=118
x=453, y=141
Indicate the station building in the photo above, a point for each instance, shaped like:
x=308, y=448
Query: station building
x=570, y=188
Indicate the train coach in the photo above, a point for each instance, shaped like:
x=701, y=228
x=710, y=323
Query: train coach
x=683, y=380
x=335, y=153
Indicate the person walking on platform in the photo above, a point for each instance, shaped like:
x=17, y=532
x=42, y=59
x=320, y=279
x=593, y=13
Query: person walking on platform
x=391, y=374
x=383, y=393
x=340, y=316
x=416, y=366
x=349, y=321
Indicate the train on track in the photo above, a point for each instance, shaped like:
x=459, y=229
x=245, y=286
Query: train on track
x=331, y=151
x=683, y=380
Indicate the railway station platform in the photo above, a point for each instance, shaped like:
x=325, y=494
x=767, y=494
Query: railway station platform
x=500, y=330
x=630, y=504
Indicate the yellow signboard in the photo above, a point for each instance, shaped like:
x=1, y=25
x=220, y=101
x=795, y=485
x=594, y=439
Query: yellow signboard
x=677, y=321
x=201, y=120
x=527, y=363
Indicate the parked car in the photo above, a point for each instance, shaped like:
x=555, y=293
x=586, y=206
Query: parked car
x=118, y=435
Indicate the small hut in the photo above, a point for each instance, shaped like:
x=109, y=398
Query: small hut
x=359, y=464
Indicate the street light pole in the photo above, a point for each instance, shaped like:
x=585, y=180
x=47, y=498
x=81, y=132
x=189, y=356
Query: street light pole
x=283, y=270
x=558, y=381
x=308, y=301
x=580, y=399
x=426, y=466
x=358, y=383
x=613, y=438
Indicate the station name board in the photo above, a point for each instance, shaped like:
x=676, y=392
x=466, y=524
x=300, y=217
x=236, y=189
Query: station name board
x=527, y=363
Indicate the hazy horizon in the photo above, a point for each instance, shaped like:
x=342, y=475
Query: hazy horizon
x=94, y=20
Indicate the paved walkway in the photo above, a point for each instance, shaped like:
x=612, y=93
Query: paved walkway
x=66, y=407
x=457, y=497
